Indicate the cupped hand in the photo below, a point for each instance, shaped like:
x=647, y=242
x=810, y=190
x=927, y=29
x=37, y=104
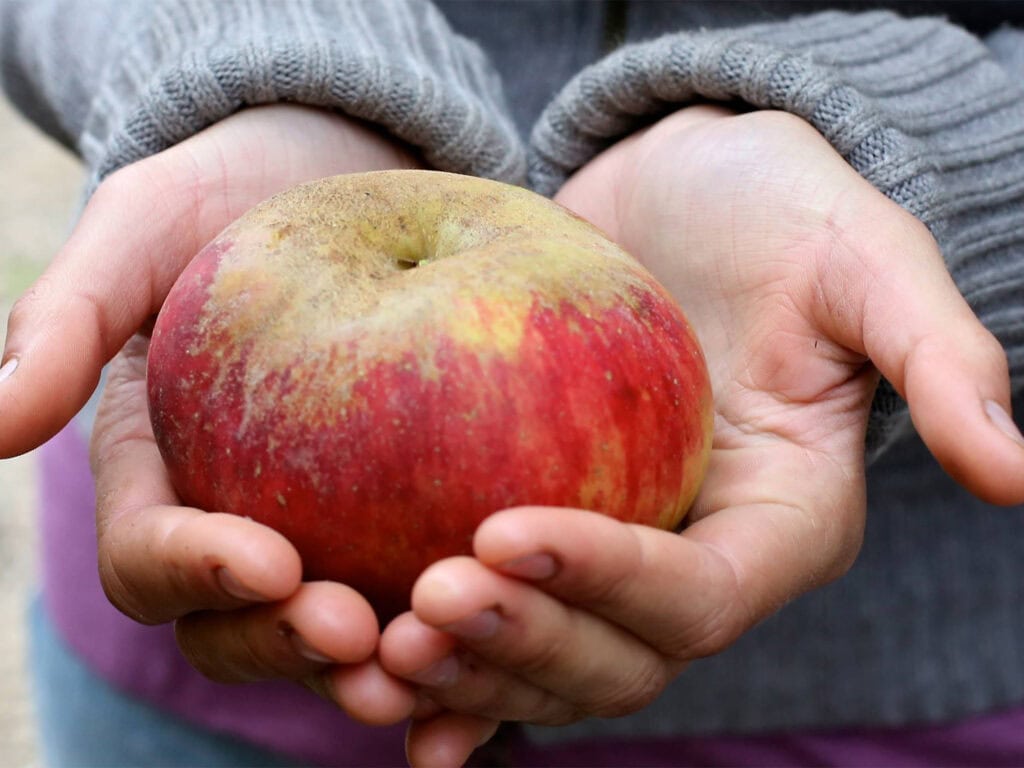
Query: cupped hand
x=232, y=586
x=803, y=283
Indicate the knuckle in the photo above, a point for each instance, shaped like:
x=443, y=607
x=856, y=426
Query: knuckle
x=638, y=692
x=119, y=590
x=142, y=573
x=538, y=657
x=24, y=310
x=253, y=660
x=209, y=659
x=497, y=699
x=721, y=617
x=479, y=691
x=193, y=648
x=555, y=711
x=611, y=585
x=95, y=314
x=50, y=299
x=188, y=571
x=229, y=649
x=717, y=629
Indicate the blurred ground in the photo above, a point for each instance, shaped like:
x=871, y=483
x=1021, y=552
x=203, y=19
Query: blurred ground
x=39, y=187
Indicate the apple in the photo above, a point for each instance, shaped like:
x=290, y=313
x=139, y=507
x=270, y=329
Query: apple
x=372, y=364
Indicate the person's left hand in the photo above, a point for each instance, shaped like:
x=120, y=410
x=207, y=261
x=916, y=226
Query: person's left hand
x=802, y=282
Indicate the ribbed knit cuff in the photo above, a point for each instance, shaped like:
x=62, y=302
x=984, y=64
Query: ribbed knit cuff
x=916, y=106
x=174, y=67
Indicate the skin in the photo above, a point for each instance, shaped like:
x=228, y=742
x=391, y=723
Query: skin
x=800, y=280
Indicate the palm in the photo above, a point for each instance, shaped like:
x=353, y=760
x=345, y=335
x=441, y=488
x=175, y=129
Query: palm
x=791, y=403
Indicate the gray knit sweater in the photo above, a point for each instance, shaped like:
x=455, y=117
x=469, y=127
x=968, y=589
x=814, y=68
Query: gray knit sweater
x=929, y=624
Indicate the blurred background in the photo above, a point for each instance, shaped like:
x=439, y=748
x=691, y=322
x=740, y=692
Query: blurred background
x=39, y=188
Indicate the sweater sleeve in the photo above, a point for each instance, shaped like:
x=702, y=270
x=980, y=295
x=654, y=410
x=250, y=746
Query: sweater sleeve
x=119, y=81
x=924, y=111
x=1006, y=45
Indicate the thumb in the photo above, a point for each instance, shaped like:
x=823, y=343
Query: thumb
x=105, y=283
x=921, y=334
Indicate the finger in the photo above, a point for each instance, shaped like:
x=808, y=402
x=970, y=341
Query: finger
x=447, y=739
x=368, y=694
x=452, y=678
x=566, y=661
x=663, y=588
x=418, y=652
x=911, y=320
x=322, y=623
x=141, y=227
x=135, y=235
x=686, y=596
x=159, y=561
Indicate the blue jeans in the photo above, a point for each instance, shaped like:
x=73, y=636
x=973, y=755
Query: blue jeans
x=84, y=722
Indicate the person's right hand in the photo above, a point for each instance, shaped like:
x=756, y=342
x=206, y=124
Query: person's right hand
x=803, y=283
x=232, y=586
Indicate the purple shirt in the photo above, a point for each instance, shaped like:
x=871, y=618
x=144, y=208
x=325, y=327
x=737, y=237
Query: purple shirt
x=144, y=662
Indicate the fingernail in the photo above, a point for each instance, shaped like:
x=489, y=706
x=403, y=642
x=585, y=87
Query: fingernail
x=480, y=626
x=230, y=584
x=440, y=674
x=1001, y=419
x=534, y=567
x=8, y=368
x=305, y=650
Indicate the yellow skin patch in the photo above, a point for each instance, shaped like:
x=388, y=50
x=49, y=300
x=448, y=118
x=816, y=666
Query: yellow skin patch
x=491, y=253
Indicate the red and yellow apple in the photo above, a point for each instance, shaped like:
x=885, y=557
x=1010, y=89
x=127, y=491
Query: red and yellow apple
x=372, y=364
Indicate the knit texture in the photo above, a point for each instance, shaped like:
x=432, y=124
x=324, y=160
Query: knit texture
x=917, y=107
x=161, y=71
